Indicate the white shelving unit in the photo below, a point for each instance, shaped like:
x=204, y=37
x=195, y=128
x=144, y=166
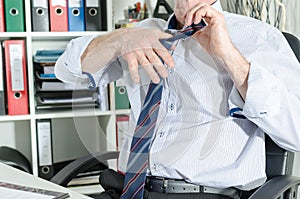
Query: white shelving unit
x=95, y=129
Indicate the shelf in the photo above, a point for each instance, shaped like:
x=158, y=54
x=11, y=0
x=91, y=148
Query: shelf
x=49, y=35
x=7, y=35
x=62, y=35
x=7, y=118
x=59, y=114
x=123, y=112
x=71, y=113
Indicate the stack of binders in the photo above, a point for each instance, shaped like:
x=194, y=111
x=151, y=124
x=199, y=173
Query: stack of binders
x=51, y=93
x=68, y=15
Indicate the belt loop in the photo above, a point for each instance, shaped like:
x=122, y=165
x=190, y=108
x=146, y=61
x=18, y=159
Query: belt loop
x=165, y=185
x=201, y=189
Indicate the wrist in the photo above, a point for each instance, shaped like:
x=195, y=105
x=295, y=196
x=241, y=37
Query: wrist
x=116, y=40
x=238, y=69
x=101, y=50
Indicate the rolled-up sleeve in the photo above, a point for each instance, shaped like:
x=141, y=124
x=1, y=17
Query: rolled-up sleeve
x=273, y=95
x=68, y=67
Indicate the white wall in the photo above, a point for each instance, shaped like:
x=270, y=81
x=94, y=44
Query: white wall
x=293, y=17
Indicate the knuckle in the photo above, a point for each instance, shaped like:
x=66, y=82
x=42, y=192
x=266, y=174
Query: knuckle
x=153, y=58
x=144, y=63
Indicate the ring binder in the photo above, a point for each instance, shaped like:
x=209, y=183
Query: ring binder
x=45, y=157
x=40, y=15
x=16, y=77
x=14, y=15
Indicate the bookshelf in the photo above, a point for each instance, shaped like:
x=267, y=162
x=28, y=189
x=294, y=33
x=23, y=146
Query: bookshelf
x=75, y=132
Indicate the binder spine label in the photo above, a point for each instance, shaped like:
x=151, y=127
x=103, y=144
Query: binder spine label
x=40, y=4
x=17, y=77
x=92, y=3
x=74, y=3
x=59, y=3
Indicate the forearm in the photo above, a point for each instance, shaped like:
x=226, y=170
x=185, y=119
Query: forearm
x=100, y=52
x=238, y=69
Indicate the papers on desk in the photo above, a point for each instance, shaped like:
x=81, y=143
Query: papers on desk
x=60, y=86
x=69, y=100
x=12, y=191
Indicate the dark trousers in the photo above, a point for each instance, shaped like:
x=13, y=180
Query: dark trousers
x=112, y=182
x=154, y=195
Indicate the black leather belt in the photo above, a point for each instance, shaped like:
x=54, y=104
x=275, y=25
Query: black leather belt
x=164, y=185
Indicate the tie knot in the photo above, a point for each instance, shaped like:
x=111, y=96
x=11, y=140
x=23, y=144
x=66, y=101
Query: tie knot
x=181, y=34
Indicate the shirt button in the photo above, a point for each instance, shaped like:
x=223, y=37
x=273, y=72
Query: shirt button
x=171, y=70
x=161, y=134
x=172, y=106
x=154, y=167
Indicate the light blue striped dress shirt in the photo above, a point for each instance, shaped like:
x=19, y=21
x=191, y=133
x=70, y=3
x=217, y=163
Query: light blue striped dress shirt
x=196, y=138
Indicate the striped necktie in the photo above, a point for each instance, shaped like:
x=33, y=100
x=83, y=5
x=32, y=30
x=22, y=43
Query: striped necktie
x=138, y=157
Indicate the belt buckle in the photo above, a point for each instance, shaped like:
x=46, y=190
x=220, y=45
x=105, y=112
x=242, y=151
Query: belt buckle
x=164, y=183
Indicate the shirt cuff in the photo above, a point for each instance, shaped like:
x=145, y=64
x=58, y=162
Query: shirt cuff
x=263, y=93
x=262, y=97
x=73, y=52
x=109, y=73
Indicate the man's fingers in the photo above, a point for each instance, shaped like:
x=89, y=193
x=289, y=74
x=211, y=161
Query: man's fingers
x=145, y=50
x=133, y=66
x=157, y=63
x=200, y=11
x=165, y=56
x=148, y=67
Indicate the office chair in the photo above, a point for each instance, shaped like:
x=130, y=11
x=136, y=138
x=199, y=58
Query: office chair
x=279, y=162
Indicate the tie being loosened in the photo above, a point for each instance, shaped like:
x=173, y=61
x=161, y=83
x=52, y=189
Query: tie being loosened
x=138, y=158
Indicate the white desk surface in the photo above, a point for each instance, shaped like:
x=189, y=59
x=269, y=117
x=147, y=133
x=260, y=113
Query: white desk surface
x=15, y=176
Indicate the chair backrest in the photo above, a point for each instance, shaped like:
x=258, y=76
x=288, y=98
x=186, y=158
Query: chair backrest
x=294, y=43
x=280, y=161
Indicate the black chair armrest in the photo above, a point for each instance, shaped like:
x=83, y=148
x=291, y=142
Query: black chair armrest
x=64, y=176
x=275, y=187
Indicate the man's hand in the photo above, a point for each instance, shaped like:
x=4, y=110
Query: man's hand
x=215, y=39
x=141, y=46
x=138, y=46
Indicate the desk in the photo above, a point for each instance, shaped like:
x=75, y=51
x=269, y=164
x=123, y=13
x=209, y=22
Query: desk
x=15, y=176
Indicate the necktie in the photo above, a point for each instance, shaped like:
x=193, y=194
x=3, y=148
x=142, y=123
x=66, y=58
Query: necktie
x=138, y=157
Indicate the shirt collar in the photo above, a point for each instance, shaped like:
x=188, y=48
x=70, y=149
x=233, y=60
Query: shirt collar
x=172, y=22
